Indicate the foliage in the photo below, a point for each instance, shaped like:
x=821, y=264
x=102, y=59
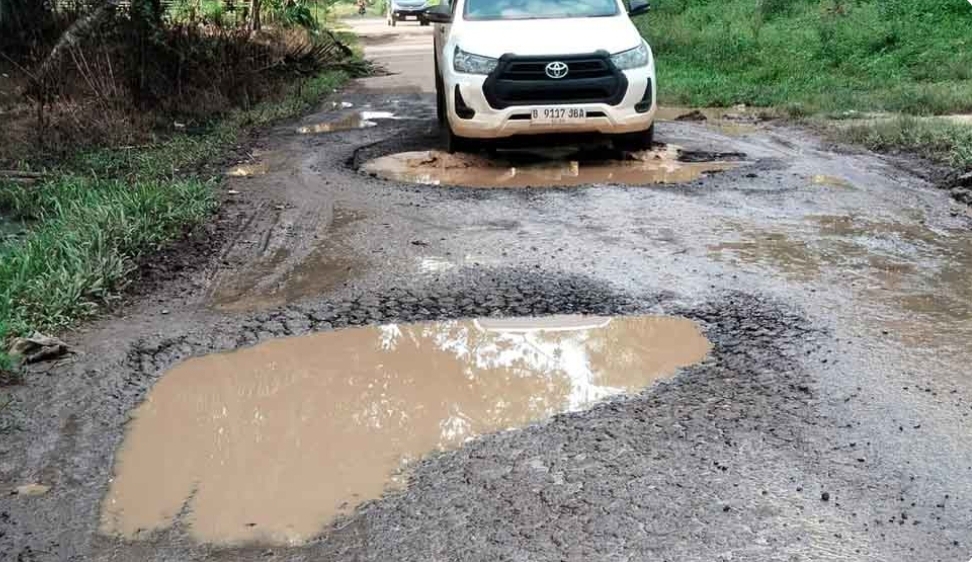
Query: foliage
x=912, y=56
x=291, y=13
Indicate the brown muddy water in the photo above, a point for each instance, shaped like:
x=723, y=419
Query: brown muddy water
x=360, y=120
x=550, y=168
x=249, y=170
x=271, y=443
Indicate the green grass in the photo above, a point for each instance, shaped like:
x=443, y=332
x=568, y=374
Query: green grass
x=937, y=139
x=102, y=211
x=810, y=56
x=90, y=233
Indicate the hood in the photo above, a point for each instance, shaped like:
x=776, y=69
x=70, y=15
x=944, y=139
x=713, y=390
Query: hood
x=537, y=37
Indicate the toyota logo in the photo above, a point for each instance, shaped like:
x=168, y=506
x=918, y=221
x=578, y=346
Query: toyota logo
x=556, y=70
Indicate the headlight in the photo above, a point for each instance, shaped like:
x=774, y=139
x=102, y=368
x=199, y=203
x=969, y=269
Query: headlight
x=632, y=58
x=469, y=63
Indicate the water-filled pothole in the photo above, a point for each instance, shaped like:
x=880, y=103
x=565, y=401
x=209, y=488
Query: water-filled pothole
x=359, y=120
x=272, y=442
x=550, y=168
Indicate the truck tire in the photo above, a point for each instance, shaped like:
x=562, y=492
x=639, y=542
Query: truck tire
x=633, y=142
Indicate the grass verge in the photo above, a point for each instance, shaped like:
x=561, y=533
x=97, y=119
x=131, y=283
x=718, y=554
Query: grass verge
x=939, y=140
x=818, y=59
x=811, y=56
x=103, y=210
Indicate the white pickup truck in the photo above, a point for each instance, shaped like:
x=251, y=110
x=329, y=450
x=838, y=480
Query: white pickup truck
x=522, y=67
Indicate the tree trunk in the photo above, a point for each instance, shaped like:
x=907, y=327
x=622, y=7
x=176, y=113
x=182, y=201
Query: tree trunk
x=71, y=37
x=146, y=16
x=255, y=15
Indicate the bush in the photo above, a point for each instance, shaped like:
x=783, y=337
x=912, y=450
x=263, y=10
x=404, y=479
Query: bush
x=292, y=13
x=121, y=87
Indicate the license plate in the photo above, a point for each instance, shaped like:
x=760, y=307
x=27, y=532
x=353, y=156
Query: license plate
x=558, y=115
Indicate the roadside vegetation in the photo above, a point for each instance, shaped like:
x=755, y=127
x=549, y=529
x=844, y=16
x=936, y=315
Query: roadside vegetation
x=823, y=58
x=106, y=148
x=937, y=139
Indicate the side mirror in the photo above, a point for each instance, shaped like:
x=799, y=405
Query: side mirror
x=439, y=14
x=638, y=7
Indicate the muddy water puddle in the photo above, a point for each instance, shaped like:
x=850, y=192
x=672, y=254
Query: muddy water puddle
x=286, y=275
x=661, y=165
x=831, y=181
x=916, y=279
x=272, y=442
x=360, y=120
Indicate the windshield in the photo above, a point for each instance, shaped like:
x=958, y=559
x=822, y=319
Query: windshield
x=532, y=9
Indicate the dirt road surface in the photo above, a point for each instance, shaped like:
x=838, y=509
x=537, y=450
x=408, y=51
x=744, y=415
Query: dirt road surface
x=830, y=420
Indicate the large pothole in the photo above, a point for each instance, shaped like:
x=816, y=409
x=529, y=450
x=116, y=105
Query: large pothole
x=553, y=167
x=270, y=443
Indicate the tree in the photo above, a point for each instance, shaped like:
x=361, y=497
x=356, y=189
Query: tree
x=255, y=15
x=71, y=37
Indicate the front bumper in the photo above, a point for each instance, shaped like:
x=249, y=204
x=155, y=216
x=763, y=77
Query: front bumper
x=402, y=13
x=491, y=123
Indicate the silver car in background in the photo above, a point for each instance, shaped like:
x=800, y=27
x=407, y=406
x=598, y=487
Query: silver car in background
x=401, y=10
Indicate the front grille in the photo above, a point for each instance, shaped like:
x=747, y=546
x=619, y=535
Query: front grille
x=524, y=81
x=536, y=69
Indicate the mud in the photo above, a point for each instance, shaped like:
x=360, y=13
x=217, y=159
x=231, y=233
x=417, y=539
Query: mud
x=915, y=277
x=331, y=420
x=549, y=168
x=734, y=121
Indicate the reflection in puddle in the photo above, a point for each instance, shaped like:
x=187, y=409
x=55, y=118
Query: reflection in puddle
x=361, y=120
x=831, y=181
x=657, y=166
x=270, y=443
x=249, y=170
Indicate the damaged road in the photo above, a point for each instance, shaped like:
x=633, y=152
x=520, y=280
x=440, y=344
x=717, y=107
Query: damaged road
x=829, y=418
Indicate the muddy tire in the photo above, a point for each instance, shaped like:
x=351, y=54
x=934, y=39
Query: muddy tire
x=453, y=143
x=641, y=140
x=440, y=101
